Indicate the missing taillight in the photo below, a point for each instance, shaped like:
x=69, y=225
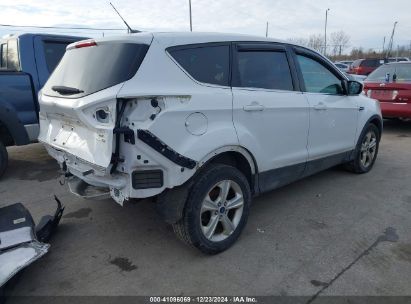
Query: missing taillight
x=85, y=44
x=102, y=115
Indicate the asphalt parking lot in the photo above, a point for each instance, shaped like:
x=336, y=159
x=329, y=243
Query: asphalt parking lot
x=334, y=233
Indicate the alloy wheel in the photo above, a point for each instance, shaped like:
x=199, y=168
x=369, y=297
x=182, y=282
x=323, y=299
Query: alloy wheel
x=221, y=210
x=368, y=149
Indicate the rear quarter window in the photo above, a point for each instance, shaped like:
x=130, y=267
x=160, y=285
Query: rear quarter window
x=9, y=54
x=3, y=55
x=207, y=64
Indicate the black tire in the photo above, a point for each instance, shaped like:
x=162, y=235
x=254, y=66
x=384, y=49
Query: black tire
x=189, y=228
x=356, y=165
x=4, y=159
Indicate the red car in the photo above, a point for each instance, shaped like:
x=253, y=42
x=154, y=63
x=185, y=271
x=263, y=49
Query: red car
x=390, y=84
x=364, y=66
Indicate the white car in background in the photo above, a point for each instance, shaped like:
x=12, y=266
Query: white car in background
x=202, y=121
x=354, y=77
x=342, y=67
x=346, y=62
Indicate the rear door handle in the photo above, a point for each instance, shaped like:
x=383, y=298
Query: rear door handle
x=320, y=107
x=254, y=106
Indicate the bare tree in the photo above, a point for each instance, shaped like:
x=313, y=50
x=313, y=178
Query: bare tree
x=357, y=53
x=298, y=40
x=339, y=42
x=316, y=42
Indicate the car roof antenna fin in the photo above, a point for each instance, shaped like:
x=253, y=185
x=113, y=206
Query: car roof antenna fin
x=129, y=29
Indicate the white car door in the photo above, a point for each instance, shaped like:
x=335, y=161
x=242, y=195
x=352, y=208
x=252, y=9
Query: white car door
x=270, y=113
x=333, y=114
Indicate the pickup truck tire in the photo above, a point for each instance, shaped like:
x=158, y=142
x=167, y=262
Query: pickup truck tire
x=216, y=209
x=366, y=151
x=4, y=159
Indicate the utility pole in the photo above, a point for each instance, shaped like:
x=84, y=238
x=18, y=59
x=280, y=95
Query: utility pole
x=325, y=31
x=266, y=30
x=191, y=18
x=389, y=48
x=383, y=46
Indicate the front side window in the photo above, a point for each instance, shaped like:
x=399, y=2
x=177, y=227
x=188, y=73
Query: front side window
x=208, y=64
x=54, y=51
x=264, y=69
x=317, y=78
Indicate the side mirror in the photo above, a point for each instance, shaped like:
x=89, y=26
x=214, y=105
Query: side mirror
x=354, y=87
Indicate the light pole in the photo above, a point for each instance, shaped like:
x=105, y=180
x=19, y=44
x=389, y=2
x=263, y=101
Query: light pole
x=266, y=30
x=191, y=20
x=325, y=31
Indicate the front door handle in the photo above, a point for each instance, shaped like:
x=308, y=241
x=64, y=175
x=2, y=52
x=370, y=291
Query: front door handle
x=320, y=107
x=254, y=106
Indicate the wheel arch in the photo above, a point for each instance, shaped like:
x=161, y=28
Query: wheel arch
x=377, y=121
x=5, y=136
x=235, y=156
x=11, y=127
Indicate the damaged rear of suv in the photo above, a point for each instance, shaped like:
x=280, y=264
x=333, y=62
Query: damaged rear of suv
x=202, y=122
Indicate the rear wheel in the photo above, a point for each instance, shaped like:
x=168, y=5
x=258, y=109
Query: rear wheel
x=216, y=210
x=3, y=159
x=366, y=151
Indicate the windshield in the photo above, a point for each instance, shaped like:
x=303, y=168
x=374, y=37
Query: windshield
x=87, y=70
x=402, y=71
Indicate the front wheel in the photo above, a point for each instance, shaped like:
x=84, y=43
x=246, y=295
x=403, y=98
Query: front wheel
x=216, y=210
x=3, y=159
x=366, y=151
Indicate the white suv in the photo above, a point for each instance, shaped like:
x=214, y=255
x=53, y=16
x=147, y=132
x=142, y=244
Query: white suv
x=203, y=122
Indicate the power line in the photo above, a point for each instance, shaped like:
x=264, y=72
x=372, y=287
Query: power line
x=61, y=27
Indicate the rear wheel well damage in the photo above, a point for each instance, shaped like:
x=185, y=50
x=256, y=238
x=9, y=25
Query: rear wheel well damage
x=170, y=203
x=5, y=136
x=237, y=160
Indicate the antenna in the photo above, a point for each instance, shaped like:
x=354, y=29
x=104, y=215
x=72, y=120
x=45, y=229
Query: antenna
x=129, y=29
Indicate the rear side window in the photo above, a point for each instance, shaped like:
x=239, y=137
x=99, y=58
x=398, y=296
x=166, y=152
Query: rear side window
x=53, y=51
x=318, y=78
x=371, y=63
x=94, y=68
x=208, y=64
x=264, y=69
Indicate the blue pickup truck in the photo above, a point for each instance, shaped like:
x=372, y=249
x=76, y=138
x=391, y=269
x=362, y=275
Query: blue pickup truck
x=26, y=62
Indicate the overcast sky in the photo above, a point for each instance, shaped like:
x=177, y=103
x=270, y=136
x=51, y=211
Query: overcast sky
x=365, y=21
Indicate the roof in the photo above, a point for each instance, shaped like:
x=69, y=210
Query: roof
x=399, y=62
x=180, y=38
x=24, y=35
x=202, y=37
